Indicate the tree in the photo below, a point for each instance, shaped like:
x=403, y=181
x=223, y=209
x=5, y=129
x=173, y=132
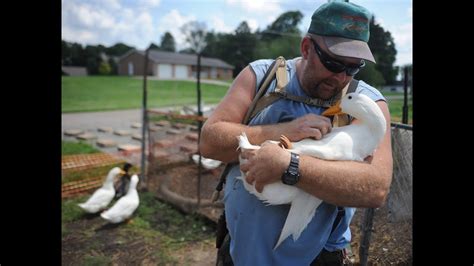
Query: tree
x=113, y=66
x=383, y=48
x=282, y=37
x=118, y=49
x=72, y=54
x=285, y=24
x=371, y=75
x=92, y=54
x=168, y=43
x=195, y=35
x=154, y=47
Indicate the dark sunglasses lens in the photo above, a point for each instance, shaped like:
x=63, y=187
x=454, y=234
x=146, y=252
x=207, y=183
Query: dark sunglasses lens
x=333, y=66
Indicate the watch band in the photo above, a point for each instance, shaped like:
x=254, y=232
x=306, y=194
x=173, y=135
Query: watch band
x=292, y=175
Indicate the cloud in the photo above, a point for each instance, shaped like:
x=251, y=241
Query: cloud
x=172, y=23
x=219, y=25
x=106, y=23
x=266, y=10
x=114, y=4
x=149, y=3
x=253, y=24
x=403, y=38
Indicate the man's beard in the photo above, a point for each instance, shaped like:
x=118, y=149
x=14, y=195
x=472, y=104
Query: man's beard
x=323, y=89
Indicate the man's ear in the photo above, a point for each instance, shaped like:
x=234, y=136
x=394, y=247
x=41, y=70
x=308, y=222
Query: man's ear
x=305, y=47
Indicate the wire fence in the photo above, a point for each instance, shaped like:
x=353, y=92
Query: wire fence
x=380, y=236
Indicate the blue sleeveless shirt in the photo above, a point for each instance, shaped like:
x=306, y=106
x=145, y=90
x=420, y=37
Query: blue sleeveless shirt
x=254, y=227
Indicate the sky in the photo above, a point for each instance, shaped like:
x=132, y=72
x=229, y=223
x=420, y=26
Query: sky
x=138, y=23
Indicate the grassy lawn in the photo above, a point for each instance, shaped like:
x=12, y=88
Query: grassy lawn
x=69, y=148
x=396, y=110
x=98, y=93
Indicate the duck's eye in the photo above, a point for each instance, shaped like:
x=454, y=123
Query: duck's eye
x=350, y=97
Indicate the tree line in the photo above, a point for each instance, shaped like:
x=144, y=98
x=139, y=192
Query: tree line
x=242, y=46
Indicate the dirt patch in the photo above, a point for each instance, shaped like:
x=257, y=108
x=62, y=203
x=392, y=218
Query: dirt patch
x=390, y=242
x=93, y=240
x=157, y=235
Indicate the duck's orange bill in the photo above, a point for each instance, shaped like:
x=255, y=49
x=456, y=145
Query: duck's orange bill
x=333, y=110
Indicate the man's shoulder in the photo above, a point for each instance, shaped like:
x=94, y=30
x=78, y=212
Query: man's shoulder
x=370, y=91
x=262, y=63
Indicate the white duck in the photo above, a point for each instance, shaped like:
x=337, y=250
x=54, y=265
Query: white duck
x=125, y=206
x=206, y=162
x=351, y=142
x=104, y=195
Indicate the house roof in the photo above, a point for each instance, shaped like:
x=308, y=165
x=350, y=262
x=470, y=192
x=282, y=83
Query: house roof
x=184, y=59
x=74, y=70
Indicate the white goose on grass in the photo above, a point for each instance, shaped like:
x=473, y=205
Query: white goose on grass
x=125, y=206
x=351, y=142
x=104, y=195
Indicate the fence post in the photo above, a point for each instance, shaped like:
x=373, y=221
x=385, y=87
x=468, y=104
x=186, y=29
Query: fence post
x=405, y=97
x=199, y=127
x=366, y=231
x=144, y=121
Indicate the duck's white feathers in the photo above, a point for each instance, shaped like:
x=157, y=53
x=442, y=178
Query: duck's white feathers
x=125, y=206
x=103, y=196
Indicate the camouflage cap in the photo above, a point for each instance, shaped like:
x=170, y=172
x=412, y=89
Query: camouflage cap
x=344, y=27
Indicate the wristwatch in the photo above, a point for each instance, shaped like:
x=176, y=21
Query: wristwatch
x=292, y=174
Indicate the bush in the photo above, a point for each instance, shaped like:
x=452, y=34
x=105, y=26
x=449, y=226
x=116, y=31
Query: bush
x=104, y=68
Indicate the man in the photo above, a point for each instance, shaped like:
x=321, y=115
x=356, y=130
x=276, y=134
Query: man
x=331, y=53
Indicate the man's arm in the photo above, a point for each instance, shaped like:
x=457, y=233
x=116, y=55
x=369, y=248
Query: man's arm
x=219, y=133
x=343, y=183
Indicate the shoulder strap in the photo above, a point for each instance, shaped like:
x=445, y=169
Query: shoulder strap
x=278, y=69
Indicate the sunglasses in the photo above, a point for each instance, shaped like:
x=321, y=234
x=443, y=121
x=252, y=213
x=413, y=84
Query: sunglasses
x=334, y=65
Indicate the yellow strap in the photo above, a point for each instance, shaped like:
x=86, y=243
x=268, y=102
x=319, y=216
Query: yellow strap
x=281, y=74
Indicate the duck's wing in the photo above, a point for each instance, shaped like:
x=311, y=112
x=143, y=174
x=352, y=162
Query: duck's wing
x=337, y=145
x=124, y=207
x=101, y=196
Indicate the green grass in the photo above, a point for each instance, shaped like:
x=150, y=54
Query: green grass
x=69, y=209
x=396, y=110
x=96, y=261
x=95, y=93
x=69, y=148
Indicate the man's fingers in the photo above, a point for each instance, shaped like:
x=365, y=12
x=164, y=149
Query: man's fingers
x=244, y=167
x=246, y=154
x=249, y=178
x=314, y=133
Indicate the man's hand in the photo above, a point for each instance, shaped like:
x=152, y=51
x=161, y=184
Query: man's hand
x=307, y=126
x=265, y=165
